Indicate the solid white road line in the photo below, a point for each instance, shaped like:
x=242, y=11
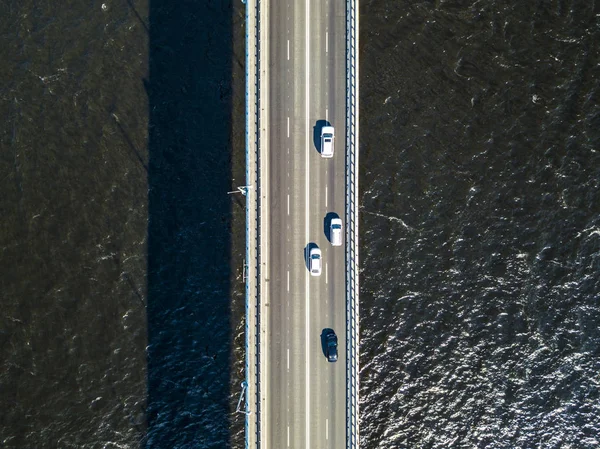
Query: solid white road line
x=265, y=297
x=307, y=235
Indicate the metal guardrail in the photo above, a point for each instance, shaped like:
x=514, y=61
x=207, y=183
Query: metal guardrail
x=252, y=325
x=352, y=261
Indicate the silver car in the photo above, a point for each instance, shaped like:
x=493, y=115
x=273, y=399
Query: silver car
x=315, y=261
x=327, y=140
x=335, y=232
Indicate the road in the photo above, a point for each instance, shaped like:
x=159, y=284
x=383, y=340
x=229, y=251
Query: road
x=305, y=394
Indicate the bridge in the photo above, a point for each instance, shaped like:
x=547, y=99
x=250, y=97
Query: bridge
x=302, y=75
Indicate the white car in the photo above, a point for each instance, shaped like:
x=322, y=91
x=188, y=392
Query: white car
x=315, y=261
x=327, y=140
x=335, y=232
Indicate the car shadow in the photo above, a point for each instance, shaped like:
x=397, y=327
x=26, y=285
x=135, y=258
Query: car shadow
x=317, y=133
x=327, y=224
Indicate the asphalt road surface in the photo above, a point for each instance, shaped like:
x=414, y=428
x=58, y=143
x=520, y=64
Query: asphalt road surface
x=306, y=399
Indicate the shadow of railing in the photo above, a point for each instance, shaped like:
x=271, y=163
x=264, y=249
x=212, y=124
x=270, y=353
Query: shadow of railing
x=189, y=173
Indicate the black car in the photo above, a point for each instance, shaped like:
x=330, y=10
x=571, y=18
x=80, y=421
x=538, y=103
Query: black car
x=331, y=348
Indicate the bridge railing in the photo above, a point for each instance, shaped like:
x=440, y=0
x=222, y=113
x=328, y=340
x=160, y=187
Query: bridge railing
x=352, y=206
x=253, y=231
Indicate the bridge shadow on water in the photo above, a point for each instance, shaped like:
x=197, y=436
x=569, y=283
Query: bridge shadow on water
x=189, y=240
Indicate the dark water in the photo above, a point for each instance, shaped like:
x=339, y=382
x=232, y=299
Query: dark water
x=480, y=310
x=121, y=288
